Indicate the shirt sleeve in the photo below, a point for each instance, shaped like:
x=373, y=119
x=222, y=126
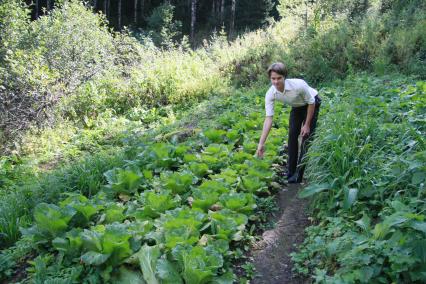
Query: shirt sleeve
x=308, y=93
x=269, y=103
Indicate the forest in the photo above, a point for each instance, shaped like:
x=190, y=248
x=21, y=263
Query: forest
x=130, y=133
x=195, y=19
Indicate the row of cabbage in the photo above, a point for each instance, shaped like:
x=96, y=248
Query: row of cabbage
x=174, y=214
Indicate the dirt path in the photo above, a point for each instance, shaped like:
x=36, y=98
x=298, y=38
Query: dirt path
x=272, y=258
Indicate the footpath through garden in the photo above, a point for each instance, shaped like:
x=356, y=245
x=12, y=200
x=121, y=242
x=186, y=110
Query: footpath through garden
x=272, y=253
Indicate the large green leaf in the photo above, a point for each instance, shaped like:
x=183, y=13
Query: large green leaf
x=52, y=218
x=419, y=249
x=123, y=180
x=227, y=225
x=420, y=226
x=364, y=223
x=115, y=241
x=227, y=176
x=253, y=184
x=178, y=182
x=213, y=186
x=159, y=156
x=199, y=169
x=148, y=257
x=114, y=212
x=111, y=240
x=92, y=238
x=198, y=264
x=204, y=199
x=126, y=276
x=94, y=258
x=82, y=205
x=214, y=135
x=181, y=231
x=239, y=202
x=71, y=243
x=167, y=272
x=313, y=189
x=350, y=197
x=156, y=203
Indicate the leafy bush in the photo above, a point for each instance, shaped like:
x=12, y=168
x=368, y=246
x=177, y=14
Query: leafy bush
x=373, y=38
x=47, y=59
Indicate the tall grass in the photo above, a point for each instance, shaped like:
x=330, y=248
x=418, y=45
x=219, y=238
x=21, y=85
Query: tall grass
x=367, y=170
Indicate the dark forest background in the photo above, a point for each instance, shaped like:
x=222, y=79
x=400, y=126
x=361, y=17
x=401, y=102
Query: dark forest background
x=198, y=18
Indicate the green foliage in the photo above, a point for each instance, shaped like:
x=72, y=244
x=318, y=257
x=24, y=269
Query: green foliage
x=81, y=204
x=239, y=202
x=106, y=244
x=155, y=203
x=181, y=230
x=367, y=174
x=148, y=257
x=199, y=169
x=156, y=206
x=364, y=37
x=214, y=135
x=198, y=264
x=160, y=156
x=52, y=219
x=228, y=225
x=178, y=182
x=164, y=30
x=14, y=21
x=146, y=88
x=123, y=181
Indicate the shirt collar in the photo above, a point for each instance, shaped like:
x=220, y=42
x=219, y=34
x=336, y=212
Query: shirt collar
x=287, y=87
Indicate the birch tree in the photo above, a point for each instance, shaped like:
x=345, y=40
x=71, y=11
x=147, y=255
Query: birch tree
x=135, y=11
x=222, y=12
x=232, y=25
x=36, y=8
x=193, y=19
x=119, y=14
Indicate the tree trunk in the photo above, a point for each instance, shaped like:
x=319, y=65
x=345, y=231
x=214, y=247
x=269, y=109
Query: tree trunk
x=306, y=14
x=142, y=8
x=214, y=14
x=36, y=9
x=135, y=11
x=119, y=14
x=193, y=19
x=95, y=3
x=232, y=26
x=222, y=12
x=105, y=7
x=48, y=5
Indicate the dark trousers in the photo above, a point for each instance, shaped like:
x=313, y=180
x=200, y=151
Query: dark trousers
x=297, y=118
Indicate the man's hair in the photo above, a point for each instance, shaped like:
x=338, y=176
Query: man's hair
x=279, y=68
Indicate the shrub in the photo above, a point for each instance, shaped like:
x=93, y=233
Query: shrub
x=47, y=59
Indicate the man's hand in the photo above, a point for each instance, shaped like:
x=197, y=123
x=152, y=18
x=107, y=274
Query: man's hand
x=260, y=151
x=305, y=130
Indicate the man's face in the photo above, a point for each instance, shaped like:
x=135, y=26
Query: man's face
x=277, y=81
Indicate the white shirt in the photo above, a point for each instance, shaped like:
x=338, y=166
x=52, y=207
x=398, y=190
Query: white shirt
x=296, y=93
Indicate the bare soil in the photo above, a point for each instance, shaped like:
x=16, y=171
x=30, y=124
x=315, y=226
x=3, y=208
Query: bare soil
x=272, y=254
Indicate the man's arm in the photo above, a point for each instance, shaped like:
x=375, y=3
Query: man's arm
x=306, y=129
x=265, y=132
